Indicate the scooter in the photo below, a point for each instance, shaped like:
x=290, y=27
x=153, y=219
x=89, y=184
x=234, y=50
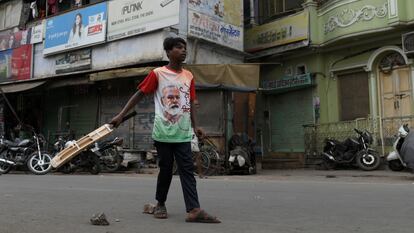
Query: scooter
x=394, y=159
x=351, y=152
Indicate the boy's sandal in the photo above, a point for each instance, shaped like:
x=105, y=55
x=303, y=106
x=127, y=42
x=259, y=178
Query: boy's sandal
x=203, y=217
x=160, y=212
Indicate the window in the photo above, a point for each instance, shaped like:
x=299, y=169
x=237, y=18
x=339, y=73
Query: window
x=353, y=96
x=273, y=9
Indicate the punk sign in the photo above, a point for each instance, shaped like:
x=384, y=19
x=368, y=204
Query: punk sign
x=128, y=18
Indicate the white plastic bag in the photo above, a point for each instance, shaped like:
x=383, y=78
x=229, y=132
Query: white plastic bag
x=194, y=144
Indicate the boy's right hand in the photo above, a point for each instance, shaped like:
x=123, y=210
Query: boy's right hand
x=116, y=121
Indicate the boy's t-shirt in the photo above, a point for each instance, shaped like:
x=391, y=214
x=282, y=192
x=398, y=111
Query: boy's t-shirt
x=173, y=92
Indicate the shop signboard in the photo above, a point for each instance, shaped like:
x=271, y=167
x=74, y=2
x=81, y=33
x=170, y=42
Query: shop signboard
x=127, y=18
x=16, y=64
x=76, y=29
x=73, y=61
x=284, y=31
x=288, y=82
x=218, y=21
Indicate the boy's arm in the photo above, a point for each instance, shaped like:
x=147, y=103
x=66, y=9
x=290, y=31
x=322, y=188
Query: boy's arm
x=198, y=131
x=136, y=98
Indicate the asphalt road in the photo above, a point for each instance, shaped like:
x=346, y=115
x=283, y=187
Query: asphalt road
x=65, y=203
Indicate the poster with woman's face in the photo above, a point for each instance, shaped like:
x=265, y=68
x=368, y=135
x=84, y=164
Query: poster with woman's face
x=76, y=29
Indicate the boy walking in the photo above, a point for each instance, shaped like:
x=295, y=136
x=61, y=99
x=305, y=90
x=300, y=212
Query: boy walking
x=174, y=95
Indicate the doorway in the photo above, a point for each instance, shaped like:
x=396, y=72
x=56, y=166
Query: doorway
x=396, y=92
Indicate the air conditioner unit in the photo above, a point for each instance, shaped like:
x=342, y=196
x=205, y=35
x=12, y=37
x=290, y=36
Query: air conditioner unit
x=408, y=42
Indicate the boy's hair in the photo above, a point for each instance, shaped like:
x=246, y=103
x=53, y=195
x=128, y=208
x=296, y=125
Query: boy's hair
x=170, y=42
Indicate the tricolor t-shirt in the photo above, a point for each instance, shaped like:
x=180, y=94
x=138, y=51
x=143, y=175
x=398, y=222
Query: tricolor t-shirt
x=173, y=92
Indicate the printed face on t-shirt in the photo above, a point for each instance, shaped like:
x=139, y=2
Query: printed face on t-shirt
x=171, y=100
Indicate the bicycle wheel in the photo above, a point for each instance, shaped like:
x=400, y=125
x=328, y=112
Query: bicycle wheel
x=201, y=163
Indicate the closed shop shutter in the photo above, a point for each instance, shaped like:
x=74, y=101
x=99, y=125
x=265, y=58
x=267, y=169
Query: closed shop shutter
x=210, y=113
x=83, y=117
x=288, y=113
x=113, y=96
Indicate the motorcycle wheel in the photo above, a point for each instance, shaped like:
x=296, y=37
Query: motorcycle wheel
x=368, y=160
x=39, y=164
x=94, y=166
x=111, y=160
x=4, y=167
x=66, y=169
x=395, y=165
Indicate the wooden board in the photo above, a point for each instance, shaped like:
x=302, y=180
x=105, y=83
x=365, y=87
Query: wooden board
x=69, y=152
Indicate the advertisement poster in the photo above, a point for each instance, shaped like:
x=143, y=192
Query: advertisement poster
x=128, y=18
x=16, y=64
x=75, y=29
x=74, y=61
x=11, y=39
x=218, y=21
x=283, y=31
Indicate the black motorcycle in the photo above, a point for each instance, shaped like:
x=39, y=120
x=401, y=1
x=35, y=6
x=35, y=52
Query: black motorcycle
x=352, y=151
x=27, y=152
x=108, y=154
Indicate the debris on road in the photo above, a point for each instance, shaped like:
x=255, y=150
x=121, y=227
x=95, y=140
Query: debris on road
x=149, y=208
x=99, y=219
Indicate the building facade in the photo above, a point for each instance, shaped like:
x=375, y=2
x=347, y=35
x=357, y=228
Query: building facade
x=332, y=66
x=70, y=66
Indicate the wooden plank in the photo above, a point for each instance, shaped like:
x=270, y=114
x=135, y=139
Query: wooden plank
x=78, y=146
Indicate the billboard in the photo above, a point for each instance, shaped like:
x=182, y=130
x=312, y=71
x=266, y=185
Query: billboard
x=75, y=29
x=16, y=64
x=11, y=39
x=218, y=21
x=283, y=31
x=128, y=18
x=74, y=61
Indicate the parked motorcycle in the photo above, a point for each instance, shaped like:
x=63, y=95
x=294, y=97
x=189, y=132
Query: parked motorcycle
x=102, y=155
x=108, y=154
x=242, y=157
x=401, y=157
x=25, y=152
x=351, y=152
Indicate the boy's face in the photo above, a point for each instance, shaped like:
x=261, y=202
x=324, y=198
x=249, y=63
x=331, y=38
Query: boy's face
x=178, y=53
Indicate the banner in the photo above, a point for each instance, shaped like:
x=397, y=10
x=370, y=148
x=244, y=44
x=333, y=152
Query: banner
x=11, y=39
x=75, y=29
x=283, y=31
x=16, y=64
x=218, y=21
x=74, y=61
x=128, y=18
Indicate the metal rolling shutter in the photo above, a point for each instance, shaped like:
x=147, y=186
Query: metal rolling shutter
x=288, y=113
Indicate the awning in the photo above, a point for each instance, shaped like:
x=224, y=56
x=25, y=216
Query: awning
x=23, y=86
x=237, y=77
x=359, y=61
x=64, y=82
x=120, y=73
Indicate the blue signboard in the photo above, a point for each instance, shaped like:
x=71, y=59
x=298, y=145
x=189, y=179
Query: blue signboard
x=76, y=29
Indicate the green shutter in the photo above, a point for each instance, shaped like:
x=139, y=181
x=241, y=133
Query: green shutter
x=288, y=113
